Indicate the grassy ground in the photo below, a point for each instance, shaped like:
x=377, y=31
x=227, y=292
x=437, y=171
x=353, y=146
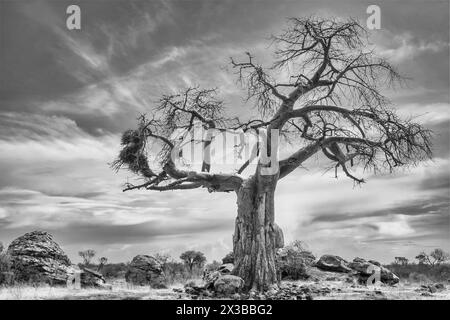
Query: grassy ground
x=120, y=290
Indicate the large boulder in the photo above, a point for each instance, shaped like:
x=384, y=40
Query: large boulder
x=36, y=257
x=228, y=284
x=146, y=270
x=368, y=268
x=330, y=262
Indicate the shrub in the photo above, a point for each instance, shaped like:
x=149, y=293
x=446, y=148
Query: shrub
x=229, y=258
x=6, y=275
x=213, y=266
x=293, y=261
x=418, y=277
x=114, y=270
x=421, y=272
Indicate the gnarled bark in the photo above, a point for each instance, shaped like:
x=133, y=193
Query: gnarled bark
x=256, y=236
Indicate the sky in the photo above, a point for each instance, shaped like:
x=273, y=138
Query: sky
x=67, y=95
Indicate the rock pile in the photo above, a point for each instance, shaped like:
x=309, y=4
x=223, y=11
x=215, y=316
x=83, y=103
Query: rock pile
x=431, y=288
x=359, y=267
x=216, y=283
x=146, y=270
x=367, y=268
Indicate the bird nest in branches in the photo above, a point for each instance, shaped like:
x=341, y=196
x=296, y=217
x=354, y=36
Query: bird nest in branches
x=133, y=153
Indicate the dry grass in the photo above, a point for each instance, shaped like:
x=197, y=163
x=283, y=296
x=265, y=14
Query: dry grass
x=119, y=290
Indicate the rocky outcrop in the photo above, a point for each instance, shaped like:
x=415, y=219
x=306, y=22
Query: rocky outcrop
x=146, y=270
x=36, y=258
x=330, y=262
x=367, y=268
x=228, y=284
x=359, y=267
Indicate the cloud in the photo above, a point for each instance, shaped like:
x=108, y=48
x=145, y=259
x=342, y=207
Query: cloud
x=400, y=47
x=65, y=101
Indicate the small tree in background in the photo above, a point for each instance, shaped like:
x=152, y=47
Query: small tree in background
x=87, y=256
x=401, y=261
x=213, y=265
x=164, y=259
x=1, y=247
x=439, y=256
x=102, y=261
x=435, y=258
x=193, y=258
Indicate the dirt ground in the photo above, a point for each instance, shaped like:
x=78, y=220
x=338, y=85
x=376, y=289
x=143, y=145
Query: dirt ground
x=331, y=286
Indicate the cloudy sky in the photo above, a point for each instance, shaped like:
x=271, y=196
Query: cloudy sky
x=65, y=97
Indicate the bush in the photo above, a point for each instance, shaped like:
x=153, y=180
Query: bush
x=293, y=261
x=229, y=258
x=213, y=266
x=418, y=277
x=6, y=275
x=421, y=272
x=177, y=272
x=114, y=270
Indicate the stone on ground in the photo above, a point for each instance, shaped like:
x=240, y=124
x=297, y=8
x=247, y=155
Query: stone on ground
x=228, y=284
x=330, y=262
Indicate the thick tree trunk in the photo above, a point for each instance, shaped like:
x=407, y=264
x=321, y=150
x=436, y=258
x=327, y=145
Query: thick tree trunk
x=256, y=236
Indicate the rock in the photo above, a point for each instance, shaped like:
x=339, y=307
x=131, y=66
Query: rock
x=210, y=278
x=228, y=284
x=439, y=286
x=146, y=270
x=329, y=262
x=36, y=257
x=375, y=263
x=92, y=278
x=367, y=268
x=226, y=268
x=432, y=288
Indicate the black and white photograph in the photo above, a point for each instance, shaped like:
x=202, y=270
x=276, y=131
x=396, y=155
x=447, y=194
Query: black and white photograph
x=239, y=151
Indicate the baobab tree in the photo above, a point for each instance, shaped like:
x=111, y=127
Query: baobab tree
x=321, y=95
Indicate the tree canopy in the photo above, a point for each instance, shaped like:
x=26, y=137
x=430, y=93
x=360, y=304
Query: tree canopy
x=322, y=92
